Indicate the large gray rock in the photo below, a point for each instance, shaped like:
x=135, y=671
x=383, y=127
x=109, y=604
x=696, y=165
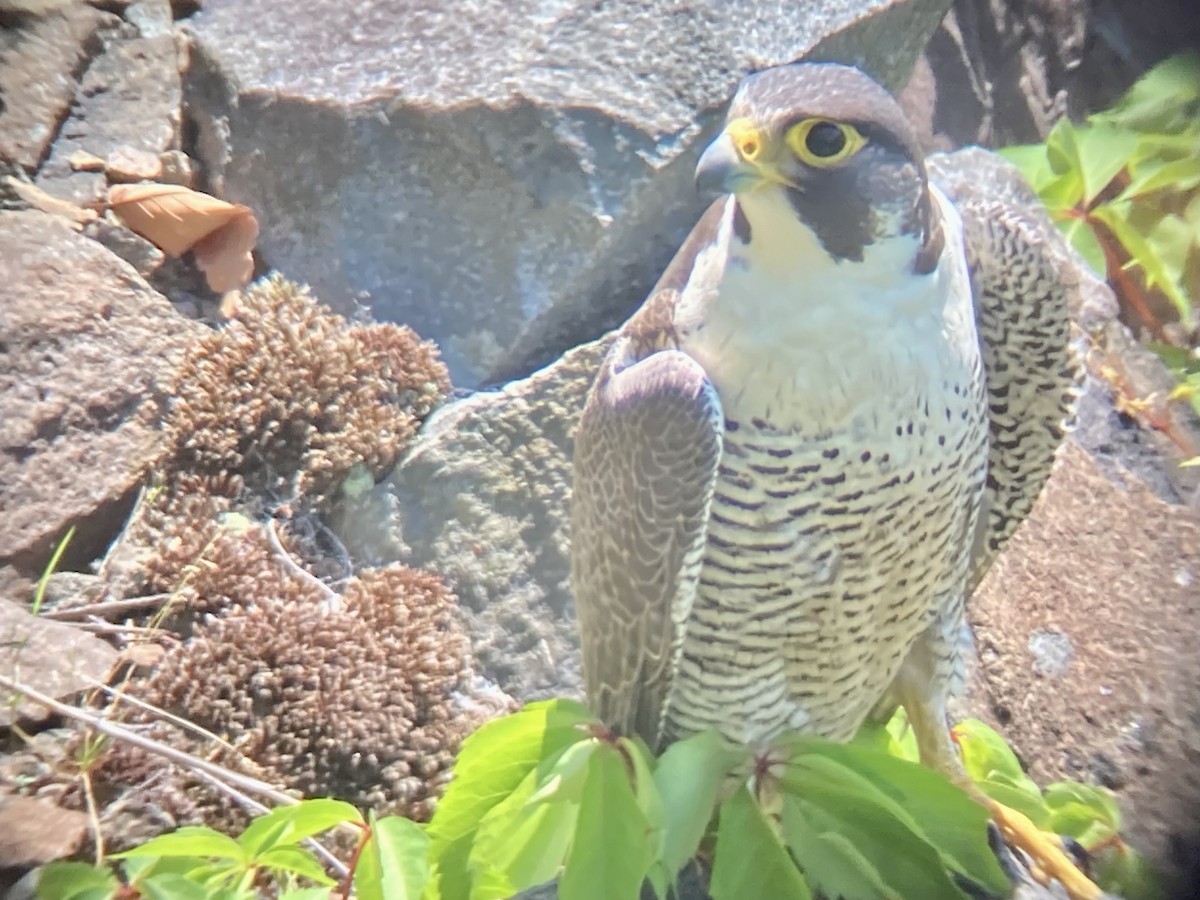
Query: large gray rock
x=505, y=177
x=482, y=498
x=83, y=342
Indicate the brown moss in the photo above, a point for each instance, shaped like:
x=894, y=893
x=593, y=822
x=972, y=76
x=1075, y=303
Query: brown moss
x=326, y=683
x=353, y=697
x=290, y=396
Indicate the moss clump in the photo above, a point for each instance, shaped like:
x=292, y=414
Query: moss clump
x=325, y=682
x=353, y=695
x=290, y=397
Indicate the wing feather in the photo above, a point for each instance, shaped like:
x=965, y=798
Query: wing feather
x=645, y=465
x=646, y=457
x=1022, y=310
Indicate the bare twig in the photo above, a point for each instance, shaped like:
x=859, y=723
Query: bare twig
x=332, y=597
x=179, y=757
x=93, y=813
x=121, y=697
x=110, y=628
x=108, y=608
x=218, y=776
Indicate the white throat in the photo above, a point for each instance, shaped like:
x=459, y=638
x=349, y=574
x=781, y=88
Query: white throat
x=788, y=333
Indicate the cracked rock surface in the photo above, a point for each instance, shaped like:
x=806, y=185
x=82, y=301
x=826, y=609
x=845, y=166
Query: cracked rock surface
x=83, y=342
x=503, y=177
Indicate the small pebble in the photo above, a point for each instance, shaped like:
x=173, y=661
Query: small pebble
x=82, y=161
x=1052, y=651
x=176, y=168
x=127, y=165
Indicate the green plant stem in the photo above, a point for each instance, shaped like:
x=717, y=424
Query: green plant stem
x=40, y=595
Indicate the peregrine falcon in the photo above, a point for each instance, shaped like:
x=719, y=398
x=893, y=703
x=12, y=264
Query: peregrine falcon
x=805, y=448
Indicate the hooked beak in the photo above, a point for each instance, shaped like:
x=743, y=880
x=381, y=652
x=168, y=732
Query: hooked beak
x=722, y=170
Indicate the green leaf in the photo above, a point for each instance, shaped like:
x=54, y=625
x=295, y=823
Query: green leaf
x=985, y=755
x=1086, y=813
x=1032, y=162
x=939, y=811
x=39, y=595
x=394, y=863
x=1063, y=193
x=832, y=865
x=750, y=861
x=1062, y=149
x=192, y=840
x=893, y=737
x=1162, y=100
x=144, y=866
x=1172, y=239
x=172, y=886
x=292, y=824
x=1083, y=238
x=1083, y=161
x=650, y=802
x=1001, y=789
x=76, y=881
x=837, y=799
x=689, y=775
x=295, y=860
x=1144, y=255
x=1104, y=151
x=1121, y=870
x=310, y=893
x=1176, y=175
x=525, y=837
x=493, y=762
x=211, y=874
x=611, y=853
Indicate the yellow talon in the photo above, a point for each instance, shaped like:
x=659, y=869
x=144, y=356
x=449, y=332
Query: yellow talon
x=1049, y=860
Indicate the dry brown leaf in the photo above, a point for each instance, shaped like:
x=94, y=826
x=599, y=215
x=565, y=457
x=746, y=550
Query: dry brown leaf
x=230, y=304
x=177, y=219
x=40, y=200
x=225, y=256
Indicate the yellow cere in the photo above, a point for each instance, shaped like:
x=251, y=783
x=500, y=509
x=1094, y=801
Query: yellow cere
x=823, y=142
x=746, y=138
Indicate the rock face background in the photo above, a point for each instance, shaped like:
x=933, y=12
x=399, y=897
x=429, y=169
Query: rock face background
x=501, y=176
x=509, y=179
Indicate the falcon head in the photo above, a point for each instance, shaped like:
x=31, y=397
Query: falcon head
x=824, y=144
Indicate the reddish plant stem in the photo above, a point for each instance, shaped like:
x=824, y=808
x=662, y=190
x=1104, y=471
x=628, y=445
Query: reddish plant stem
x=347, y=884
x=1120, y=279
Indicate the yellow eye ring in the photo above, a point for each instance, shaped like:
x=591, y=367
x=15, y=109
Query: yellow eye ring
x=823, y=142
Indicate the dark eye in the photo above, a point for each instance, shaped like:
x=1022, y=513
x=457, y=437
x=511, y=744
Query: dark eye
x=823, y=143
x=825, y=139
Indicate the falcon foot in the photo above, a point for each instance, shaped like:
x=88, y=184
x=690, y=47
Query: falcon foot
x=1049, y=860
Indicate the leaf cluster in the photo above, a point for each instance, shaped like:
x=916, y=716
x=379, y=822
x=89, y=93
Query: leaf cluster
x=548, y=793
x=200, y=863
x=1086, y=814
x=1125, y=188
